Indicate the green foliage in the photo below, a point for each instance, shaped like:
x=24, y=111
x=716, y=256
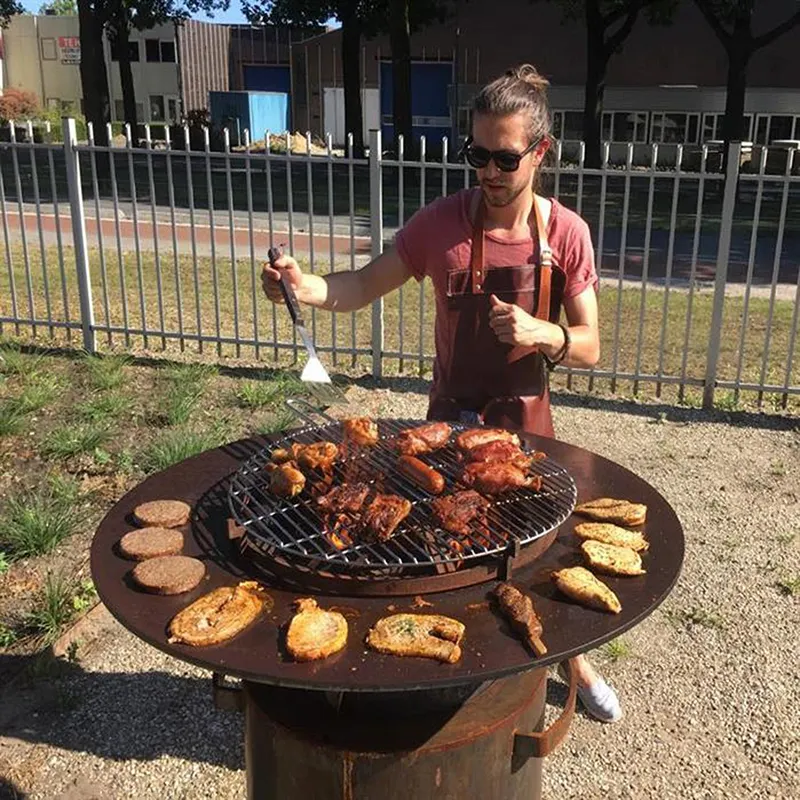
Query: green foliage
x=73, y=440
x=54, y=608
x=179, y=444
x=61, y=8
x=8, y=636
x=106, y=372
x=4, y=565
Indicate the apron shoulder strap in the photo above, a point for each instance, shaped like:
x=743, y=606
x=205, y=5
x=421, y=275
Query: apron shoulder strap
x=545, y=261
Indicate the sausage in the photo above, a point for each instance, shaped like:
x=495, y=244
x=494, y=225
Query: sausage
x=420, y=473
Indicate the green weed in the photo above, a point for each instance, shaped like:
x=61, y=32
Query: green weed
x=103, y=408
x=73, y=440
x=177, y=445
x=789, y=586
x=616, y=649
x=54, y=608
x=106, y=372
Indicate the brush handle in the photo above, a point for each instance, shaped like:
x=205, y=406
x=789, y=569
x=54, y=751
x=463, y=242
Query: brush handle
x=289, y=296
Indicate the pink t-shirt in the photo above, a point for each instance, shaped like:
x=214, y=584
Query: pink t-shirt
x=438, y=239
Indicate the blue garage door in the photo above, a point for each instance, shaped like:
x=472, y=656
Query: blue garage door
x=430, y=111
x=266, y=78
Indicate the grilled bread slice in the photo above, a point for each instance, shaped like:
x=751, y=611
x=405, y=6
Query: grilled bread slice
x=580, y=585
x=313, y=633
x=219, y=615
x=608, y=533
x=423, y=635
x=608, y=509
x=612, y=560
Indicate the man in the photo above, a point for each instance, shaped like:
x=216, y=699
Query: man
x=503, y=261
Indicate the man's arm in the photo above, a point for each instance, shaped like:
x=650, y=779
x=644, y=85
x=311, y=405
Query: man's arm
x=584, y=333
x=339, y=291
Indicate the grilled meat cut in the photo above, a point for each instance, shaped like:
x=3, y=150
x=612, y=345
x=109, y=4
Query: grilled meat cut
x=382, y=516
x=424, y=635
x=347, y=497
x=319, y=455
x=286, y=480
x=498, y=478
x=518, y=609
x=421, y=474
x=501, y=451
x=313, y=633
x=466, y=440
x=608, y=509
x=360, y=430
x=580, y=585
x=454, y=512
x=609, y=533
x=423, y=439
x=612, y=560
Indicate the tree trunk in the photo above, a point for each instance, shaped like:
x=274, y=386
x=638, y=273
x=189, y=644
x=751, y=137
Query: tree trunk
x=126, y=74
x=94, y=79
x=596, y=64
x=400, y=39
x=351, y=74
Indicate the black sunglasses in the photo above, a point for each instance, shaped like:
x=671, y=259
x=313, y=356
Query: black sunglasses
x=506, y=160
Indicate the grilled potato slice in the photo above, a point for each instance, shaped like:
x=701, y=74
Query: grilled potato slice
x=580, y=585
x=612, y=560
x=608, y=509
x=608, y=533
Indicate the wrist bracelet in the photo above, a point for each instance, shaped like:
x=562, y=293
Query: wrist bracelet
x=553, y=362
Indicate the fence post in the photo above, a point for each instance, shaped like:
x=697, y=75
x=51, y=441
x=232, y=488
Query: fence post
x=376, y=233
x=79, y=232
x=721, y=272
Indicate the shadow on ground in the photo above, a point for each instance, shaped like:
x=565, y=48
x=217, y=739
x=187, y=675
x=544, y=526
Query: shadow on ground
x=121, y=716
x=9, y=791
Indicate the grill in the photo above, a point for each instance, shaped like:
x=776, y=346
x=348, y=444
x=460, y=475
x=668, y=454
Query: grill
x=295, y=531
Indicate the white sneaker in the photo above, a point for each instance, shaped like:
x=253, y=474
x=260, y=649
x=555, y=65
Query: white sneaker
x=599, y=699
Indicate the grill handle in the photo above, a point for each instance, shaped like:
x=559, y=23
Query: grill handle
x=541, y=744
x=306, y=411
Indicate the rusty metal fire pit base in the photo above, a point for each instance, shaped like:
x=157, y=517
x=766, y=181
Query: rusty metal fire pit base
x=310, y=745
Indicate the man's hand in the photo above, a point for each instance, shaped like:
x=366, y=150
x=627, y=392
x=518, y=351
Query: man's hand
x=271, y=278
x=514, y=326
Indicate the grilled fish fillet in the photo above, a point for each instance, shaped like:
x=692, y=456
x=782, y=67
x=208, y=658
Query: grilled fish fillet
x=314, y=633
x=612, y=560
x=579, y=584
x=607, y=509
x=219, y=615
x=609, y=533
x=424, y=635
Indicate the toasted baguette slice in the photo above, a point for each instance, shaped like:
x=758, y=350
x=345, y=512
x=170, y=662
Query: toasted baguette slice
x=608, y=533
x=607, y=509
x=612, y=560
x=314, y=633
x=580, y=585
x=219, y=615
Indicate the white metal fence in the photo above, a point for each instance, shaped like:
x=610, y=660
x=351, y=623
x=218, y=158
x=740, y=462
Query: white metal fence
x=160, y=247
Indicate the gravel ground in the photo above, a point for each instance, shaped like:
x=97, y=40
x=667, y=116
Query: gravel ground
x=710, y=682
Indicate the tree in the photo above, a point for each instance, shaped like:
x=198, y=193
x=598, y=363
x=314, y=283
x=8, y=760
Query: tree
x=7, y=10
x=92, y=18
x=732, y=22
x=608, y=24
x=60, y=8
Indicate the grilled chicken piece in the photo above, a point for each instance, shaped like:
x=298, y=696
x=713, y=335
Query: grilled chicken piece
x=423, y=439
x=286, y=480
x=424, y=635
x=466, y=440
x=518, y=608
x=498, y=478
x=360, y=430
x=580, y=585
x=454, y=512
x=219, y=615
x=314, y=633
x=382, y=516
x=319, y=455
x=501, y=452
x=612, y=560
x=607, y=509
x=608, y=533
x=348, y=497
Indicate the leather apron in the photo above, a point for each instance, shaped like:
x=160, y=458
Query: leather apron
x=487, y=380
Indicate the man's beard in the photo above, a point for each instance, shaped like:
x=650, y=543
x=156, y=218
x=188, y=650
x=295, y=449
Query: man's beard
x=506, y=199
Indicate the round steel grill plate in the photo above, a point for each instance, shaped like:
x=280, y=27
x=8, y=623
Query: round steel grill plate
x=295, y=529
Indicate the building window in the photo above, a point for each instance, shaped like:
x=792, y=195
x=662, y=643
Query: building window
x=780, y=127
x=133, y=50
x=119, y=111
x=152, y=51
x=572, y=126
x=675, y=128
x=172, y=110
x=630, y=126
x=167, y=52
x=49, y=52
x=157, y=108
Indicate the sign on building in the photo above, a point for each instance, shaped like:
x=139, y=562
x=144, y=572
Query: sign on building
x=70, y=47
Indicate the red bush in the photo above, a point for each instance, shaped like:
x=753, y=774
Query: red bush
x=18, y=104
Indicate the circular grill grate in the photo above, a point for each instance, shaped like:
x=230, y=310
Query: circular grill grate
x=296, y=529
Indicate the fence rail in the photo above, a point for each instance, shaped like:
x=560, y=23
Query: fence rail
x=156, y=247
